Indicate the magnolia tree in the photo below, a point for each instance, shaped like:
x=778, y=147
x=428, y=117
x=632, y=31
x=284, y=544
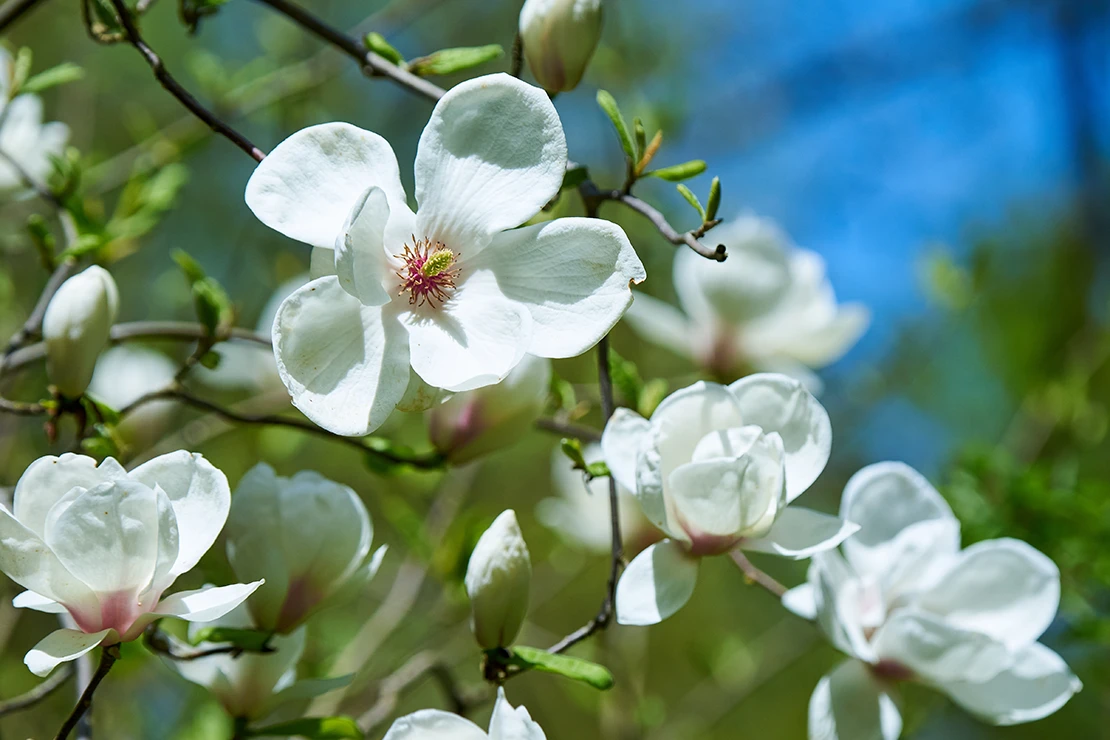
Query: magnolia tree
x=448, y=307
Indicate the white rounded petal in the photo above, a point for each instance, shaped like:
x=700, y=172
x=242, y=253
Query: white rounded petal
x=683, y=419
x=656, y=584
x=360, y=259
x=169, y=548
x=781, y=404
x=624, y=437
x=37, y=602
x=492, y=155
x=27, y=560
x=1037, y=684
x=559, y=37
x=937, y=651
x=801, y=600
x=1003, y=588
x=75, y=328
x=572, y=274
x=850, y=704
x=661, y=323
x=839, y=602
x=474, y=339
x=346, y=365
x=254, y=524
x=433, y=724
x=305, y=188
x=200, y=497
x=206, y=604
x=498, y=582
x=802, y=533
x=61, y=646
x=508, y=723
x=48, y=479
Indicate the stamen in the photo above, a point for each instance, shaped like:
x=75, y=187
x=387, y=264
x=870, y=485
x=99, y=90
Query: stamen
x=429, y=272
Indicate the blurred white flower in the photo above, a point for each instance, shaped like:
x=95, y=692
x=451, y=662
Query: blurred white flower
x=307, y=536
x=124, y=374
x=24, y=138
x=506, y=723
x=580, y=511
x=715, y=468
x=559, y=38
x=474, y=423
x=254, y=685
x=769, y=306
x=76, y=325
x=498, y=580
x=103, y=545
x=454, y=292
x=907, y=604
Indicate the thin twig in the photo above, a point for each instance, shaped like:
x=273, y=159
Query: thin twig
x=37, y=694
x=13, y=10
x=108, y=658
x=174, y=87
x=516, y=65
x=418, y=667
x=165, y=644
x=756, y=576
x=569, y=429
x=32, y=327
x=41, y=190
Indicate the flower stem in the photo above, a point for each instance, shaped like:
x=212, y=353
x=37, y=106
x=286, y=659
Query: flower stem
x=108, y=658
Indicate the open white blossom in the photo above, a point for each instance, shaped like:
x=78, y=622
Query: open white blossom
x=24, y=138
x=126, y=373
x=908, y=605
x=454, y=291
x=715, y=468
x=559, y=37
x=104, y=544
x=75, y=327
x=307, y=536
x=507, y=723
x=769, y=306
x=254, y=685
x=498, y=581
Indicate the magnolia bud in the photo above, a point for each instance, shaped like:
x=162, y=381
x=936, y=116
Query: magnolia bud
x=559, y=38
x=474, y=423
x=498, y=579
x=76, y=326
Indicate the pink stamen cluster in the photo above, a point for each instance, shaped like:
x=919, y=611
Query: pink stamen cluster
x=429, y=272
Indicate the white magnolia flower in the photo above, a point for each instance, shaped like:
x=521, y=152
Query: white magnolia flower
x=715, y=468
x=907, y=604
x=126, y=373
x=76, y=326
x=559, y=37
x=24, y=138
x=498, y=580
x=454, y=291
x=506, y=723
x=104, y=545
x=254, y=685
x=580, y=511
x=769, y=306
x=307, y=536
x=474, y=423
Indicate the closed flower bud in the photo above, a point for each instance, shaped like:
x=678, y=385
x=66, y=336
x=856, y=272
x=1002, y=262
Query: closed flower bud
x=498, y=579
x=559, y=38
x=76, y=326
x=474, y=423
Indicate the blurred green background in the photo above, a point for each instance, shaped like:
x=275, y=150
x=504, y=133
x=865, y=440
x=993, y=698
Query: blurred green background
x=947, y=159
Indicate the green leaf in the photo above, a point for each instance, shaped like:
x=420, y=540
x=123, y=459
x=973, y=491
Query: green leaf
x=43, y=239
x=192, y=269
x=577, y=669
x=641, y=136
x=692, y=199
x=626, y=377
x=714, y=202
x=679, y=172
x=193, y=10
x=98, y=409
x=101, y=443
x=376, y=43
x=597, y=470
x=652, y=394
x=60, y=75
x=253, y=641
x=85, y=244
x=609, y=105
x=572, y=448
x=212, y=304
x=575, y=177
x=448, y=61
x=210, y=359
x=316, y=728
x=21, y=69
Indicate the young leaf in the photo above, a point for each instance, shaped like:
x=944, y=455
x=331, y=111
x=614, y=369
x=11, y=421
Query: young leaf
x=649, y=152
x=692, y=199
x=577, y=669
x=376, y=43
x=574, y=178
x=193, y=10
x=572, y=448
x=192, y=269
x=714, y=202
x=60, y=75
x=609, y=105
x=447, y=61
x=315, y=728
x=21, y=69
x=652, y=394
x=253, y=641
x=641, y=136
x=597, y=470
x=679, y=172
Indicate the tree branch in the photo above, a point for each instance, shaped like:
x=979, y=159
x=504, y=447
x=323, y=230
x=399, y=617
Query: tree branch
x=165, y=644
x=569, y=429
x=418, y=667
x=108, y=658
x=37, y=694
x=756, y=576
x=32, y=327
x=13, y=10
x=174, y=87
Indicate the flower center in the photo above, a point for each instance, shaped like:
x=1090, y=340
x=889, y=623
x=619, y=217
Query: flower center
x=428, y=273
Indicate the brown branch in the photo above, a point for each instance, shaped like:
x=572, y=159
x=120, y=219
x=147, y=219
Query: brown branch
x=13, y=10
x=32, y=327
x=516, y=65
x=420, y=666
x=37, y=694
x=756, y=576
x=568, y=429
x=165, y=644
x=175, y=88
x=108, y=658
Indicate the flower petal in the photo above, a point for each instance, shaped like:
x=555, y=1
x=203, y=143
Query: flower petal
x=801, y=600
x=802, y=533
x=1003, y=588
x=1037, y=684
x=200, y=497
x=849, y=704
x=840, y=600
x=938, y=651
x=38, y=602
x=661, y=323
x=360, y=261
x=656, y=584
x=509, y=723
x=305, y=188
x=492, y=155
x=27, y=560
x=625, y=434
x=573, y=275
x=475, y=339
x=206, y=604
x=48, y=479
x=346, y=365
x=434, y=724
x=781, y=404
x=683, y=419
x=61, y=646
